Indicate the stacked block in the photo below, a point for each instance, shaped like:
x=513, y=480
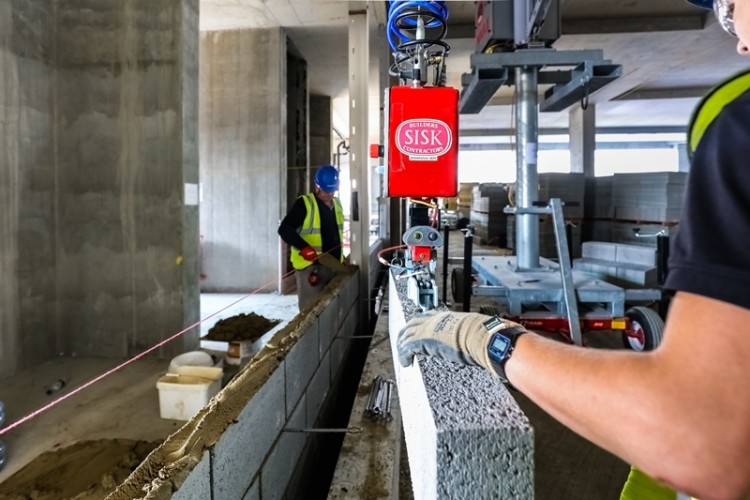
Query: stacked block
x=487, y=216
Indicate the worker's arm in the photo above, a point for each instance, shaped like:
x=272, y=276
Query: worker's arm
x=680, y=413
x=293, y=221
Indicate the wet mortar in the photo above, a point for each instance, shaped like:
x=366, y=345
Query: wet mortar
x=241, y=327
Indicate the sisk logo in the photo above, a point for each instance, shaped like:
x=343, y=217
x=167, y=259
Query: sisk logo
x=423, y=139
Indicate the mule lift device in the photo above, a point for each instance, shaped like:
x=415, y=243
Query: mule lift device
x=421, y=150
x=540, y=293
x=514, y=47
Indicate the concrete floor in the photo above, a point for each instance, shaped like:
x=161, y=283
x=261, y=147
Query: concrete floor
x=122, y=405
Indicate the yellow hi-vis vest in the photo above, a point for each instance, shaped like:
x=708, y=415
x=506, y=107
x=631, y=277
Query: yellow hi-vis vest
x=712, y=104
x=310, y=230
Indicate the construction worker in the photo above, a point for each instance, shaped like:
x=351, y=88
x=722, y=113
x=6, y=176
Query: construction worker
x=315, y=226
x=679, y=413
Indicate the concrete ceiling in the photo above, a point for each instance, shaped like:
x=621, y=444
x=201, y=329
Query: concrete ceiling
x=671, y=52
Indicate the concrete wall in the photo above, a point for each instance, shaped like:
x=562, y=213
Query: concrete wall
x=127, y=174
x=246, y=442
x=243, y=157
x=466, y=436
x=27, y=184
x=98, y=171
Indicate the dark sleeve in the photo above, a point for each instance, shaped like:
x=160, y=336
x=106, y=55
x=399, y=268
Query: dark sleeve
x=293, y=221
x=710, y=254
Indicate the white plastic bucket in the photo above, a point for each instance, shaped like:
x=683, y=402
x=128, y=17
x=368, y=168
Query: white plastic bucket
x=182, y=395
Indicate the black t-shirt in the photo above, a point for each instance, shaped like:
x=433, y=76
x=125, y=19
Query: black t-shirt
x=710, y=254
x=329, y=228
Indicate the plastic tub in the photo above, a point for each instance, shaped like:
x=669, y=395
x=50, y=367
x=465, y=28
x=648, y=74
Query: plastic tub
x=182, y=395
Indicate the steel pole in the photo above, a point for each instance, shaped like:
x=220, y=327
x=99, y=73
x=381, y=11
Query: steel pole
x=527, y=177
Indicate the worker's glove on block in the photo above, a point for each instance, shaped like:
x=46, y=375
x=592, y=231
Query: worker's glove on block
x=453, y=336
x=309, y=254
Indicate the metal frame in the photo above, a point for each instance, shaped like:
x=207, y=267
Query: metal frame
x=583, y=73
x=540, y=293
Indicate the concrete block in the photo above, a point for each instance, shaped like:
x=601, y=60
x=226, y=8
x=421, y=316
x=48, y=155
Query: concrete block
x=197, y=486
x=341, y=346
x=485, y=444
x=318, y=389
x=252, y=493
x=238, y=455
x=351, y=291
x=632, y=254
x=337, y=303
x=300, y=365
x=351, y=325
x=638, y=275
x=599, y=250
x=327, y=329
x=278, y=469
x=338, y=351
x=466, y=436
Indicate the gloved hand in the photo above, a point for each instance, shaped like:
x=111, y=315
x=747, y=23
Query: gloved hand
x=453, y=336
x=309, y=254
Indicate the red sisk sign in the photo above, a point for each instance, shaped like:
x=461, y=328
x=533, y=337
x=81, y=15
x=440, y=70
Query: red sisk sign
x=422, y=148
x=423, y=139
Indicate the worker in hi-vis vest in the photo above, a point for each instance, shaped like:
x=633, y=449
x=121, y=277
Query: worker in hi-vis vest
x=680, y=413
x=315, y=226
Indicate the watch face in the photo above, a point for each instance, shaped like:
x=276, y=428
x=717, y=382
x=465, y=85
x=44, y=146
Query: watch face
x=499, y=347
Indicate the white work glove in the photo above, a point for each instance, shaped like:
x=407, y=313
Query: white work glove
x=453, y=336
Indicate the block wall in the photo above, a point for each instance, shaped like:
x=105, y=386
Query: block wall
x=246, y=442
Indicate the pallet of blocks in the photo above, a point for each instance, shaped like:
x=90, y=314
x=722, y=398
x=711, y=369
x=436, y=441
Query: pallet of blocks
x=570, y=189
x=547, y=240
x=633, y=208
x=463, y=205
x=488, y=202
x=654, y=197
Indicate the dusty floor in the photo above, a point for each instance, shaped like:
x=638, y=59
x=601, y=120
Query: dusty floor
x=77, y=449
x=87, y=470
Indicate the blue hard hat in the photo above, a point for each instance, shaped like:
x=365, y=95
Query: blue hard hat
x=327, y=178
x=705, y=4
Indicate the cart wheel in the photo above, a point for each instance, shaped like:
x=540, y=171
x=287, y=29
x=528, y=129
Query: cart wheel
x=489, y=310
x=457, y=284
x=649, y=329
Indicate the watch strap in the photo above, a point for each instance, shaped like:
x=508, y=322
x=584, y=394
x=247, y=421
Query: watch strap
x=495, y=326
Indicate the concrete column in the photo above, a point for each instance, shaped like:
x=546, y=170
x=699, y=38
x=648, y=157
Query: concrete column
x=27, y=183
x=582, y=125
x=383, y=56
x=358, y=138
x=127, y=179
x=321, y=127
x=243, y=157
x=297, y=128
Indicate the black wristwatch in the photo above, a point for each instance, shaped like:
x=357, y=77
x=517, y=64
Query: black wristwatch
x=501, y=344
